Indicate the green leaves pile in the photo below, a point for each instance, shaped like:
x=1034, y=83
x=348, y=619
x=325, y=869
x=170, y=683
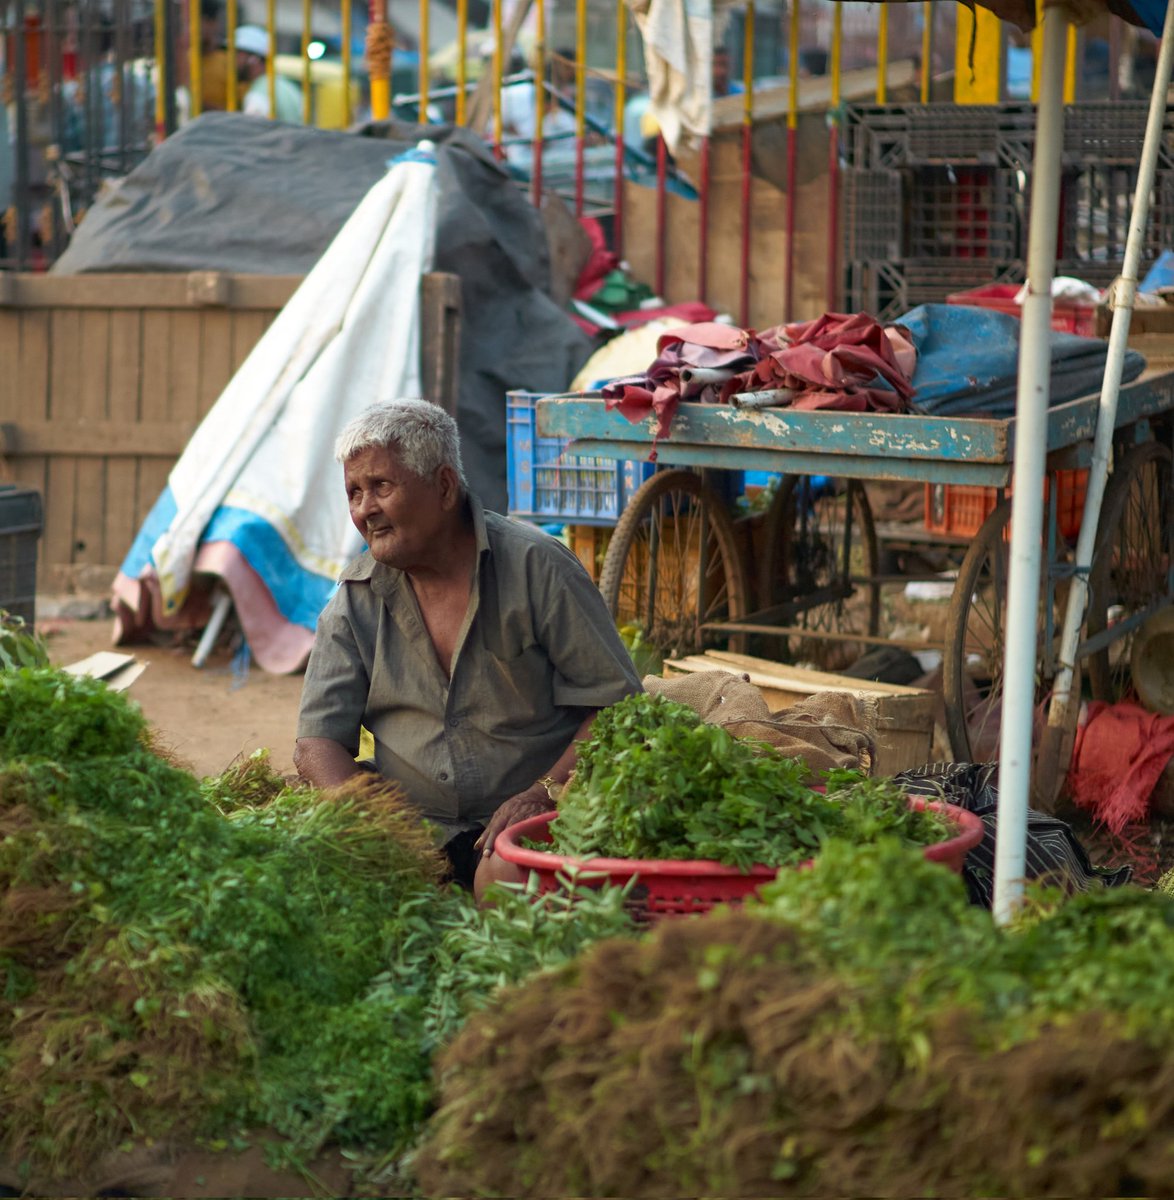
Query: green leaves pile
x=655, y=781
x=192, y=960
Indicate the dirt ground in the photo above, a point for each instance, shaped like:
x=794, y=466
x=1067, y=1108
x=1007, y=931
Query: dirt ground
x=208, y=717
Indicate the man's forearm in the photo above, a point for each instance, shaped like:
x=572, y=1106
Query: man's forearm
x=324, y=762
x=562, y=769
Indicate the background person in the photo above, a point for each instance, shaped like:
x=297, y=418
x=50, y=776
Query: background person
x=252, y=52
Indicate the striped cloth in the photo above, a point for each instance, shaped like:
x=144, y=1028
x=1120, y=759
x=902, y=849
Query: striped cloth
x=1054, y=856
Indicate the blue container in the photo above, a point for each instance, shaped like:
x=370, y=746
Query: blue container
x=547, y=484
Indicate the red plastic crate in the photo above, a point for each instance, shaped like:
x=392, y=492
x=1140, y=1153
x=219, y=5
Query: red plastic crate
x=961, y=508
x=1068, y=316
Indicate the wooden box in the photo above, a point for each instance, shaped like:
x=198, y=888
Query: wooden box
x=905, y=715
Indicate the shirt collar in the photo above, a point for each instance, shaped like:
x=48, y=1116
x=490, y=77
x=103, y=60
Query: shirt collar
x=384, y=580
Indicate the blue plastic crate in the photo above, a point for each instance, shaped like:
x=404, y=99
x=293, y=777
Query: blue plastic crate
x=547, y=484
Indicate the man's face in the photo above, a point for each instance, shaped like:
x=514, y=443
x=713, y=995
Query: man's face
x=398, y=513
x=721, y=72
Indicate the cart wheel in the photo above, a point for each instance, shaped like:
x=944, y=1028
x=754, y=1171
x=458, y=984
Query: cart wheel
x=673, y=565
x=972, y=669
x=1132, y=561
x=821, y=557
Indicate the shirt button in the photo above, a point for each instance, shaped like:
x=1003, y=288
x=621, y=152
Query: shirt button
x=453, y=722
x=442, y=776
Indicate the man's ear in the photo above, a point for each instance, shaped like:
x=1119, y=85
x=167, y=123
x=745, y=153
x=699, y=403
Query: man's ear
x=450, y=487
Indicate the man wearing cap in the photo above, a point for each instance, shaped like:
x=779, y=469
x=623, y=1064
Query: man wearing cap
x=252, y=53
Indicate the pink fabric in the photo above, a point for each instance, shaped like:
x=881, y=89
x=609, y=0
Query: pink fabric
x=1118, y=755
x=276, y=644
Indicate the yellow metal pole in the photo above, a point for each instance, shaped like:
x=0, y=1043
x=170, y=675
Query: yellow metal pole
x=462, y=65
x=196, y=57
x=347, y=111
x=980, y=82
x=422, y=106
x=1070, y=63
x=380, y=46
x=837, y=63
x=539, y=67
x=882, y=56
x=160, y=68
x=231, y=102
x=498, y=66
x=307, y=80
x=580, y=99
x=793, y=79
x=926, y=49
x=271, y=59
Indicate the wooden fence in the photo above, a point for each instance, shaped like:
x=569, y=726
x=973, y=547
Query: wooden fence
x=103, y=378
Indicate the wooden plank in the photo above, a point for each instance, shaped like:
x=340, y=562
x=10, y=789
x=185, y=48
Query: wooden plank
x=146, y=291
x=94, y=388
x=185, y=346
x=122, y=516
x=31, y=397
x=216, y=367
x=155, y=404
x=247, y=329
x=66, y=370
x=86, y=438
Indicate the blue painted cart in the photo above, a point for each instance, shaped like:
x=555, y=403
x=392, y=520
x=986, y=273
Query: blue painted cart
x=674, y=566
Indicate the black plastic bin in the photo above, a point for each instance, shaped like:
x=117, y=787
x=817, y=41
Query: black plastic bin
x=20, y=526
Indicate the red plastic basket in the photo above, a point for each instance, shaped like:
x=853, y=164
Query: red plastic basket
x=678, y=887
x=1068, y=316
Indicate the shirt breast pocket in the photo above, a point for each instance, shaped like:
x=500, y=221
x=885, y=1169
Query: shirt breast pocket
x=518, y=682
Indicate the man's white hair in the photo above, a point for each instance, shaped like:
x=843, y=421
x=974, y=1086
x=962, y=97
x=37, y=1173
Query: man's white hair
x=421, y=433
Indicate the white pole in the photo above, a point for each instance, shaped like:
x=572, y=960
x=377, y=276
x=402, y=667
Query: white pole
x=1031, y=422
x=1121, y=299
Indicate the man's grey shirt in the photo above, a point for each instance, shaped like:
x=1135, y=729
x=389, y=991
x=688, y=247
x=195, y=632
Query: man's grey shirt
x=536, y=649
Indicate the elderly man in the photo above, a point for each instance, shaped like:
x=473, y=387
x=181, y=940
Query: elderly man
x=474, y=648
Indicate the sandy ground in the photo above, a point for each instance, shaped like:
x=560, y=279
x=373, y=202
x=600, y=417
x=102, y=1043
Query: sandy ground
x=208, y=717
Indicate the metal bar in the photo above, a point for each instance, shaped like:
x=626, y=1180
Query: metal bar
x=231, y=20
x=462, y=55
x=1027, y=508
x=661, y=211
x=882, y=56
x=1120, y=629
x=617, y=238
x=1121, y=299
x=307, y=83
x=747, y=164
x=20, y=84
x=347, y=68
x=703, y=223
x=833, y=252
x=538, y=145
x=422, y=108
x=498, y=70
x=124, y=67
x=927, y=13
x=792, y=164
x=196, y=57
x=580, y=99
x=162, y=82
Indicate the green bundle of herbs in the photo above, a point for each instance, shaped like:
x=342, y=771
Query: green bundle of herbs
x=655, y=781
x=183, y=959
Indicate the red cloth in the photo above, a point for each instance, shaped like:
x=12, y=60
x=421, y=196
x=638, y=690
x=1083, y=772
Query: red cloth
x=688, y=312
x=1119, y=753
x=831, y=362
x=600, y=263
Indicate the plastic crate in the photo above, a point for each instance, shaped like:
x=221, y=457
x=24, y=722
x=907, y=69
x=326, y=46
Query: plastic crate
x=961, y=509
x=1068, y=316
x=678, y=887
x=547, y=484
x=20, y=526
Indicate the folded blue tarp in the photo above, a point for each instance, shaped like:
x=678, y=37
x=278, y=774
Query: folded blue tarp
x=967, y=362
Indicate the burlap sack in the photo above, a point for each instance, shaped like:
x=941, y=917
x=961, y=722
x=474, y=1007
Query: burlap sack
x=829, y=729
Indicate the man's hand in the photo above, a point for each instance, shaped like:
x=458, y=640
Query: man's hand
x=530, y=803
